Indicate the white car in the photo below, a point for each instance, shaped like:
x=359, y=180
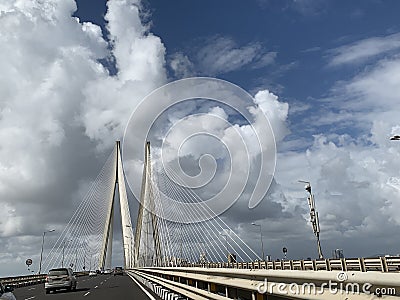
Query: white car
x=92, y=273
x=6, y=292
x=61, y=278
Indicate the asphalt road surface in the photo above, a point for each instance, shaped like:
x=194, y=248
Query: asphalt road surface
x=101, y=287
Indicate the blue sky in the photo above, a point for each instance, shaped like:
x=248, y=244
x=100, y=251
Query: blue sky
x=325, y=73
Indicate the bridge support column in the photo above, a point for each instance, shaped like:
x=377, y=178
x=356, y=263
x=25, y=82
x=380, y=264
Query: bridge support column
x=127, y=233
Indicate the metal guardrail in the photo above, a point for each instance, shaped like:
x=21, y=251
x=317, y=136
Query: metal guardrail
x=223, y=283
x=18, y=281
x=381, y=264
x=241, y=279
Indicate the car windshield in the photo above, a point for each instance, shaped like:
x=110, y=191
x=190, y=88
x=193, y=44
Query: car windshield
x=58, y=272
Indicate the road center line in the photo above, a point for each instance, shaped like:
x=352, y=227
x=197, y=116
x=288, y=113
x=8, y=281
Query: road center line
x=33, y=297
x=96, y=286
x=86, y=294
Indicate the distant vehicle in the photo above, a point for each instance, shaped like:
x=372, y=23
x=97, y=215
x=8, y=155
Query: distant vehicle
x=108, y=271
x=92, y=273
x=118, y=271
x=61, y=278
x=6, y=292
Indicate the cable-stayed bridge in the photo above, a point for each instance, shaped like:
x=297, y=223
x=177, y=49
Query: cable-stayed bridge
x=154, y=241
x=167, y=256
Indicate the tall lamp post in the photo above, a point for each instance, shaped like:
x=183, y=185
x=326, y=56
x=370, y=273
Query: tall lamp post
x=314, y=219
x=262, y=244
x=41, y=252
x=226, y=245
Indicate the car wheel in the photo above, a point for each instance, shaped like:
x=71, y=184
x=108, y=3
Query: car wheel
x=47, y=291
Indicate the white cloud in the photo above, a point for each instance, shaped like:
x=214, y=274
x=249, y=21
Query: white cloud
x=58, y=105
x=181, y=65
x=222, y=55
x=139, y=57
x=354, y=166
x=365, y=49
x=219, y=55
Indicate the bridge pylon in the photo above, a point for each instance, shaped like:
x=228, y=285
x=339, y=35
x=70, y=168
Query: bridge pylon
x=147, y=240
x=127, y=232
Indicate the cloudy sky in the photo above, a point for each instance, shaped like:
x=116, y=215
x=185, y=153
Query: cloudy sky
x=326, y=73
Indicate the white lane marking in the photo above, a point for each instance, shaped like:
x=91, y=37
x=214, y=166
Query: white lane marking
x=33, y=297
x=31, y=289
x=86, y=294
x=143, y=289
x=101, y=282
x=96, y=286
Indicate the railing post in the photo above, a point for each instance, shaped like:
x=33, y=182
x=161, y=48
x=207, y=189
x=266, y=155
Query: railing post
x=344, y=265
x=384, y=264
x=362, y=264
x=314, y=265
x=328, y=264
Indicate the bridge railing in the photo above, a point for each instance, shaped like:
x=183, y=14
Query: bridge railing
x=18, y=281
x=241, y=283
x=381, y=264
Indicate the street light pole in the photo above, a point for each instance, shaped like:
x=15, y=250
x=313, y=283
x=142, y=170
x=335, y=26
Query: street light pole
x=262, y=244
x=226, y=245
x=314, y=219
x=41, y=252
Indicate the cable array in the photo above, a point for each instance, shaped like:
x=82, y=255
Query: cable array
x=182, y=242
x=161, y=242
x=79, y=244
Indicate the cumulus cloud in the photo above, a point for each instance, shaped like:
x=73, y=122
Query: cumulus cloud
x=352, y=165
x=139, y=57
x=61, y=111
